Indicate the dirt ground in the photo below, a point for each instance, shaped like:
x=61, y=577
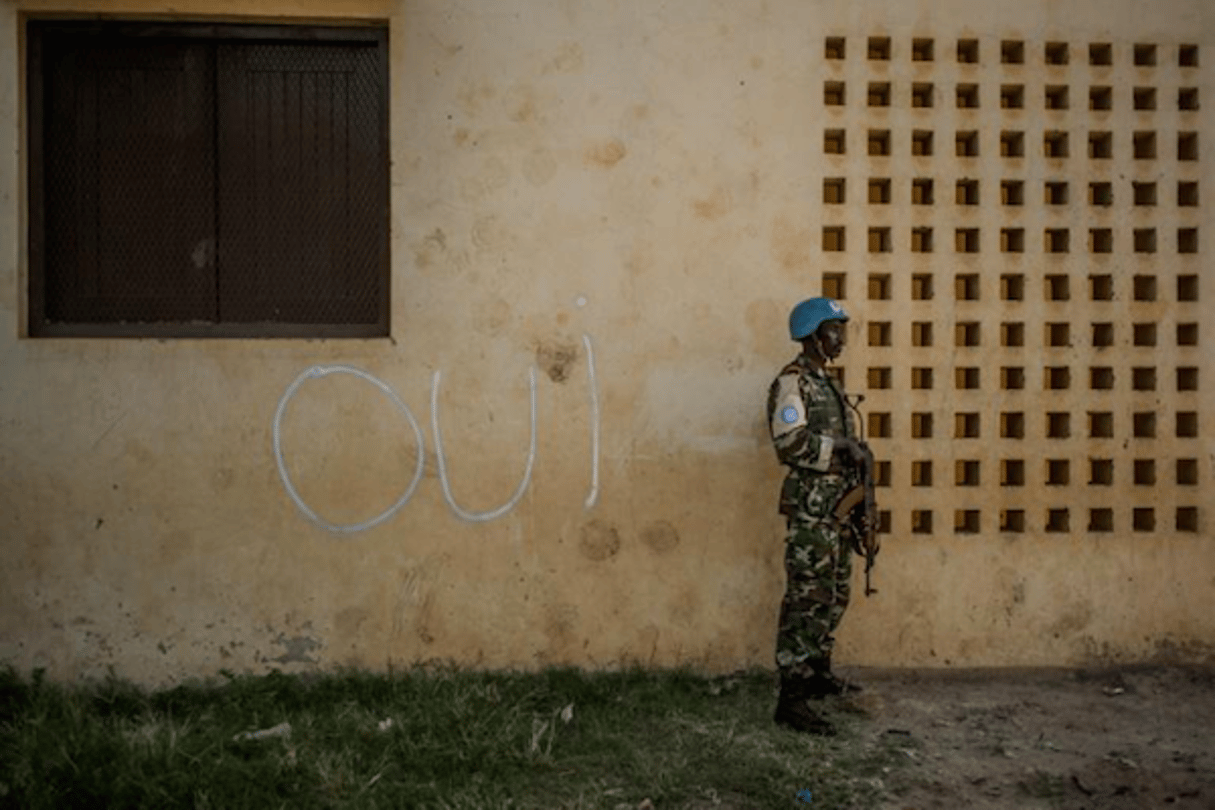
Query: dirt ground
x=1093, y=740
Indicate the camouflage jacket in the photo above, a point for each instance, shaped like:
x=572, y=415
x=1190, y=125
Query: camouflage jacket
x=806, y=414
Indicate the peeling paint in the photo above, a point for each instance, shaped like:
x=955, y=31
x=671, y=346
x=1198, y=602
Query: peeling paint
x=296, y=649
x=556, y=359
x=660, y=536
x=606, y=154
x=599, y=540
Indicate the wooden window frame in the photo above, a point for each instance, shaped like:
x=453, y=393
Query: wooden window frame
x=39, y=28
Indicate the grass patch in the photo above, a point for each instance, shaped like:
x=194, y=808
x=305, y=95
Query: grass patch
x=426, y=738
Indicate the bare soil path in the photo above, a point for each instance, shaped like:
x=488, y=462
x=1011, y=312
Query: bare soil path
x=1125, y=739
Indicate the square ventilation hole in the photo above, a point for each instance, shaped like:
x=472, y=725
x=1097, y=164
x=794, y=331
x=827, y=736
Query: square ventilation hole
x=966, y=473
x=1101, y=285
x=1101, y=519
x=879, y=94
x=1012, y=192
x=1101, y=472
x=1012, y=425
x=1012, y=520
x=835, y=285
x=833, y=238
x=921, y=191
x=1103, y=335
x=1144, y=54
x=1101, y=193
x=1012, y=240
x=966, y=521
x=921, y=240
x=879, y=286
x=1143, y=334
x=1012, y=472
x=835, y=190
x=879, y=377
x=921, y=287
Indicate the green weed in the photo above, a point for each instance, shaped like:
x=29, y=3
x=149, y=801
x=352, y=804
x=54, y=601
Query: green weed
x=426, y=738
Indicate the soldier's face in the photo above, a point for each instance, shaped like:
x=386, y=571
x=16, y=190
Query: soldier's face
x=832, y=337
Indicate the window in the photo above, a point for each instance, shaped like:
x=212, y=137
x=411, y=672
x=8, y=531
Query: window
x=207, y=180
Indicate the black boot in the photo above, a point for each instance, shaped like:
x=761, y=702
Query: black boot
x=825, y=684
x=793, y=712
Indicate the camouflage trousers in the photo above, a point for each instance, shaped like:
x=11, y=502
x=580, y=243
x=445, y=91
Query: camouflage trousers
x=818, y=575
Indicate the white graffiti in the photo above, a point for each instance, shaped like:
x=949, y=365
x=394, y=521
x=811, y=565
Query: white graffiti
x=593, y=496
x=316, y=372
x=480, y=517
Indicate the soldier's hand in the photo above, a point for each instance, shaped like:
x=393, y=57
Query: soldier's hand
x=850, y=450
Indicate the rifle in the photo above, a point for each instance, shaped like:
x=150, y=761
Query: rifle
x=857, y=511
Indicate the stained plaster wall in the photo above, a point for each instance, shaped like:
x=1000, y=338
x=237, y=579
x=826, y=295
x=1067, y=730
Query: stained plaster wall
x=645, y=182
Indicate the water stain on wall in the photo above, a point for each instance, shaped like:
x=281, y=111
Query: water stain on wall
x=600, y=541
x=490, y=233
x=348, y=621
x=423, y=624
x=524, y=107
x=539, y=167
x=1072, y=620
x=433, y=243
x=172, y=548
x=640, y=259
x=557, y=360
x=1173, y=651
x=415, y=603
x=491, y=176
x=560, y=621
x=791, y=246
x=714, y=206
x=473, y=95
x=605, y=155
x=568, y=60
x=1011, y=585
x=493, y=315
x=645, y=649
x=685, y=606
x=765, y=323
x=660, y=536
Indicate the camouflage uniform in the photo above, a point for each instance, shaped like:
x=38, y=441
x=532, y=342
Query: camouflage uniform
x=806, y=412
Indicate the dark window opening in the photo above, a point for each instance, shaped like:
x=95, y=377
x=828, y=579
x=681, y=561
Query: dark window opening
x=191, y=180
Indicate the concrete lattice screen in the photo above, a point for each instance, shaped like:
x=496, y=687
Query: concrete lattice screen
x=1016, y=226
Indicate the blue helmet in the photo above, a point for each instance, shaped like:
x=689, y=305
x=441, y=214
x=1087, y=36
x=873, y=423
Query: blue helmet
x=809, y=315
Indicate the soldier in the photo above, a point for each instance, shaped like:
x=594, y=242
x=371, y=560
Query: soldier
x=814, y=436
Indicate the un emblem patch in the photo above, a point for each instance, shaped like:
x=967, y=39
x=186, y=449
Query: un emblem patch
x=789, y=415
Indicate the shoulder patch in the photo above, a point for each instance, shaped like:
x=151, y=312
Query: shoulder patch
x=788, y=412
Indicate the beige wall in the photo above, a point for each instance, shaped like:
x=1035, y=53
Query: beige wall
x=644, y=180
